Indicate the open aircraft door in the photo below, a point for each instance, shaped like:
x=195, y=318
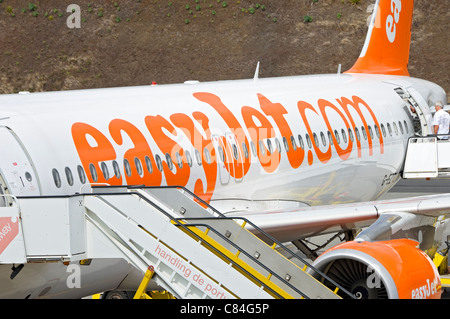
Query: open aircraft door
x=422, y=110
x=417, y=105
x=17, y=174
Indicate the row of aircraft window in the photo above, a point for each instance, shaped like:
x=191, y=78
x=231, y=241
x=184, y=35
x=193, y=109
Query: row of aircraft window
x=270, y=148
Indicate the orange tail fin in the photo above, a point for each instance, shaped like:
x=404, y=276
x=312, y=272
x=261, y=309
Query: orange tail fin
x=386, y=49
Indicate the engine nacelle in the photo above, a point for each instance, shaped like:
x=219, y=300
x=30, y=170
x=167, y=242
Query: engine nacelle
x=384, y=269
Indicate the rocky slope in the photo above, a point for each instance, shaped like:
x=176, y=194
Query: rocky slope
x=135, y=42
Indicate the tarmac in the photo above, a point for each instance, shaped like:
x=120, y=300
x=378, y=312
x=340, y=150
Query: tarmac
x=418, y=187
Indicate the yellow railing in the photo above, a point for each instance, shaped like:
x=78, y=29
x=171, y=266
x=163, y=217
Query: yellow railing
x=251, y=273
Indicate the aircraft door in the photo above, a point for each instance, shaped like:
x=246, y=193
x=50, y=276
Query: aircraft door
x=17, y=174
x=421, y=107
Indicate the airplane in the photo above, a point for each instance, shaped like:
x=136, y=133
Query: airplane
x=299, y=156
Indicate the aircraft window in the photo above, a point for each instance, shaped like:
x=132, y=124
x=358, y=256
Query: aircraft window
x=253, y=147
x=370, y=132
x=336, y=134
x=104, y=170
x=138, y=164
x=198, y=157
x=189, y=158
x=116, y=169
x=179, y=160
x=127, y=167
x=294, y=145
x=316, y=140
x=389, y=129
x=358, y=137
x=286, y=145
x=300, y=142
x=56, y=177
x=169, y=161
x=308, y=140
x=344, y=135
x=148, y=163
x=235, y=154
x=28, y=176
x=93, y=173
x=406, y=127
x=395, y=128
x=350, y=134
x=363, y=130
x=69, y=176
x=330, y=137
x=158, y=163
x=277, y=143
x=221, y=153
x=383, y=130
x=261, y=148
x=401, y=126
x=81, y=174
x=208, y=156
x=269, y=147
x=244, y=147
x=377, y=131
x=324, y=141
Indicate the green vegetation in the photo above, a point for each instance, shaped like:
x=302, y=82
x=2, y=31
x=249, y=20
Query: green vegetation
x=259, y=7
x=10, y=11
x=32, y=7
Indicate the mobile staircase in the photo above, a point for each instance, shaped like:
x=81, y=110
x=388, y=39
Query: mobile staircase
x=191, y=249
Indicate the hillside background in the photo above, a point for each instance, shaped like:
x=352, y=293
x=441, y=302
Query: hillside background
x=136, y=42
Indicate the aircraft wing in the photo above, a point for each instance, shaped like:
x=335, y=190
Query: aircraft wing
x=291, y=224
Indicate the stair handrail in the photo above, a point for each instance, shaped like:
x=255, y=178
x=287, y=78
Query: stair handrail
x=222, y=216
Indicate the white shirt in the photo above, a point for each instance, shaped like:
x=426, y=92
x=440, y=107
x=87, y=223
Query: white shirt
x=442, y=119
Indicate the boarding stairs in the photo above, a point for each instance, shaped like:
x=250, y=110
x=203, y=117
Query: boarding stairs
x=193, y=250
x=427, y=157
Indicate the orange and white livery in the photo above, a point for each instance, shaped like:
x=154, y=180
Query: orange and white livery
x=299, y=156
x=386, y=50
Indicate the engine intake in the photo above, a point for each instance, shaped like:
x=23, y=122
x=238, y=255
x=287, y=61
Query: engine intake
x=377, y=270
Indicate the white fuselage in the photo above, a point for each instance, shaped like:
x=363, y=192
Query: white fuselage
x=44, y=124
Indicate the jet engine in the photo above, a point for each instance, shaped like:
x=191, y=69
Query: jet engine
x=377, y=270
